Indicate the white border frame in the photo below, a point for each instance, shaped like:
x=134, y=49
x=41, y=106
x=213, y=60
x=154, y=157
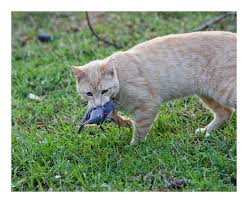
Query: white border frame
x=114, y=5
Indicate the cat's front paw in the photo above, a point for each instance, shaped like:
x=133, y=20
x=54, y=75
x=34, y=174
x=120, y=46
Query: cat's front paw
x=137, y=140
x=202, y=131
x=134, y=141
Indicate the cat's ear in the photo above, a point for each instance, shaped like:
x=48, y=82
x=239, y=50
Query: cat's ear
x=78, y=73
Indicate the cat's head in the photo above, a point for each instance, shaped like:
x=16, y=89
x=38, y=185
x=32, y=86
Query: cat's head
x=96, y=82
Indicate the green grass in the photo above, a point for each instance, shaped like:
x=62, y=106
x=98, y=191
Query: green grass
x=47, y=153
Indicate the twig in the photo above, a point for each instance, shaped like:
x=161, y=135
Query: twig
x=97, y=36
x=212, y=21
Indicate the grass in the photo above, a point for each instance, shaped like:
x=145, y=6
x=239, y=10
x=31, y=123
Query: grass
x=47, y=153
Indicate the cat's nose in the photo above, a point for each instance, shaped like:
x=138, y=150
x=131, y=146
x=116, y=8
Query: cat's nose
x=97, y=104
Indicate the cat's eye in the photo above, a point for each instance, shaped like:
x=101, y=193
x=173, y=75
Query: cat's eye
x=104, y=91
x=89, y=94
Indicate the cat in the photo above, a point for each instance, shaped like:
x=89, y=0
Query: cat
x=161, y=69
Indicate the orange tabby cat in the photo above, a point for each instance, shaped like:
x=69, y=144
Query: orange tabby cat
x=164, y=68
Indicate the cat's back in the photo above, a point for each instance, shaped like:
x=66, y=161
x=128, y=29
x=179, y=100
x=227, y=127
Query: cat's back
x=192, y=51
x=212, y=39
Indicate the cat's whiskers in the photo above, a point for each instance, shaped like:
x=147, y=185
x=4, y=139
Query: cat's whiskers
x=117, y=104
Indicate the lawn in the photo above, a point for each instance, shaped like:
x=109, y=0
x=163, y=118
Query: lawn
x=47, y=152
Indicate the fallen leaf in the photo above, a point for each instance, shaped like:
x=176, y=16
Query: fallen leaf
x=105, y=185
x=34, y=97
x=177, y=184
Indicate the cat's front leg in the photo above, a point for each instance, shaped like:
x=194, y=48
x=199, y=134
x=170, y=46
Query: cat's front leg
x=144, y=118
x=122, y=121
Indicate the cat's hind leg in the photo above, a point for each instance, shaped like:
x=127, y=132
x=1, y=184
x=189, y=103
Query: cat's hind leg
x=221, y=115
